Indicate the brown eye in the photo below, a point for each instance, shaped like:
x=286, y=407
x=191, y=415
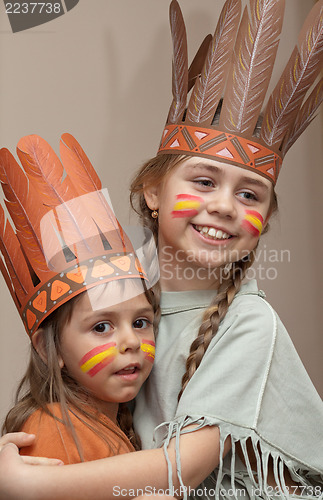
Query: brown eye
x=204, y=182
x=102, y=328
x=141, y=323
x=247, y=195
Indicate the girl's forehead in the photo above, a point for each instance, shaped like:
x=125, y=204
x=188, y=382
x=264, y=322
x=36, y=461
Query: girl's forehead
x=197, y=164
x=117, y=294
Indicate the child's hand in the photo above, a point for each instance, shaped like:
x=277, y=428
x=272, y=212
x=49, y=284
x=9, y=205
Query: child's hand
x=17, y=481
x=21, y=439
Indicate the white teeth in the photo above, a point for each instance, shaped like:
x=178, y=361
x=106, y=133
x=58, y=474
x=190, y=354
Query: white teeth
x=213, y=233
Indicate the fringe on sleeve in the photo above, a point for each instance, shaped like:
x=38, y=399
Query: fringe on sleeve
x=234, y=480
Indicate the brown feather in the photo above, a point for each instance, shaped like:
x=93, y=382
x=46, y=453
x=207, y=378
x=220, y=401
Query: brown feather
x=300, y=73
x=3, y=268
x=101, y=221
x=8, y=281
x=26, y=213
x=254, y=55
x=15, y=263
x=45, y=170
x=43, y=166
x=82, y=174
x=304, y=116
x=180, y=63
x=77, y=166
x=197, y=64
x=208, y=89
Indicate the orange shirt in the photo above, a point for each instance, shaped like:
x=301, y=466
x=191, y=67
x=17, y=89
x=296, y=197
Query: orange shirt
x=53, y=440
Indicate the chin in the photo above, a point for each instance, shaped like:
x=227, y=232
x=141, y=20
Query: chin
x=127, y=397
x=206, y=261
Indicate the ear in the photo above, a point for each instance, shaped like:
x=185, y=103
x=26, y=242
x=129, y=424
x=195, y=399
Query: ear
x=38, y=343
x=151, y=196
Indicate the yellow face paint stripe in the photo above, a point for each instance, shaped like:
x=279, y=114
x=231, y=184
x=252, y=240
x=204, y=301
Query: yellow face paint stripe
x=98, y=358
x=149, y=350
x=254, y=221
x=187, y=205
x=180, y=205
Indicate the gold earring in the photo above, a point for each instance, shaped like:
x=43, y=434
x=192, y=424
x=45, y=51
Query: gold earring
x=154, y=214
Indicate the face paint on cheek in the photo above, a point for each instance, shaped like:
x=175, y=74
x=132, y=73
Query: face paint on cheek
x=148, y=347
x=98, y=358
x=253, y=222
x=187, y=205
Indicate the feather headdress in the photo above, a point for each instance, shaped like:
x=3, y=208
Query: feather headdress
x=66, y=238
x=223, y=118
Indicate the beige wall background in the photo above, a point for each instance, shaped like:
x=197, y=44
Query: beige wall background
x=103, y=73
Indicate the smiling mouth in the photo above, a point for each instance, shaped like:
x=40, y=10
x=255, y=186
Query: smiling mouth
x=212, y=233
x=129, y=370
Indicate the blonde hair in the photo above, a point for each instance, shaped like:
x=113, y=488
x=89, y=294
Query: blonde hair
x=46, y=383
x=153, y=173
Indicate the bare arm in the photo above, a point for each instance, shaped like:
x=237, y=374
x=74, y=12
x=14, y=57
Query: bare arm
x=107, y=478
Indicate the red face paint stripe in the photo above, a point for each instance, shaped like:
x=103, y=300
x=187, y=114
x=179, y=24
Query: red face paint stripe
x=100, y=366
x=150, y=342
x=96, y=350
x=150, y=357
x=252, y=229
x=189, y=197
x=184, y=213
x=256, y=214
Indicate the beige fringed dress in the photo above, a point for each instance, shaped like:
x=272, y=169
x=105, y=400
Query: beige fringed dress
x=251, y=383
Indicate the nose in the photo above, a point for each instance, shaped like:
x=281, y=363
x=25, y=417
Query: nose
x=128, y=339
x=222, y=203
